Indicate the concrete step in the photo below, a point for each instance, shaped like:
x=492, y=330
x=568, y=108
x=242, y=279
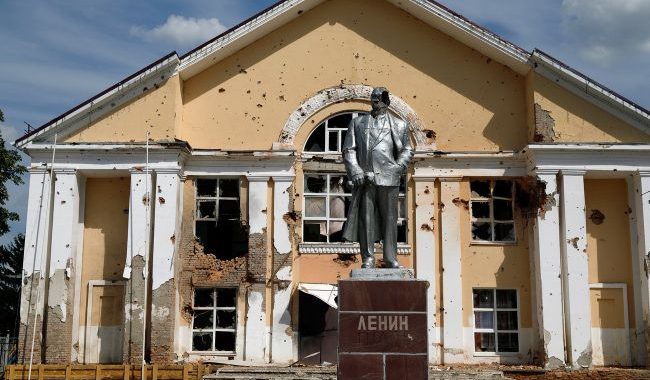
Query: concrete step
x=329, y=373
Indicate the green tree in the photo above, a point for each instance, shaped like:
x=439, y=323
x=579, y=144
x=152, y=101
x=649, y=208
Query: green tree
x=11, y=263
x=11, y=169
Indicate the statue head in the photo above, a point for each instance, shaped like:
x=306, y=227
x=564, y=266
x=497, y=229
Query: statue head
x=380, y=100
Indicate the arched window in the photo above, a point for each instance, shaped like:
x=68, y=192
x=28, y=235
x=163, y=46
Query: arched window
x=329, y=135
x=327, y=191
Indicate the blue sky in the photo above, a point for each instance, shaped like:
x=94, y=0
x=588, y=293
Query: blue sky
x=57, y=53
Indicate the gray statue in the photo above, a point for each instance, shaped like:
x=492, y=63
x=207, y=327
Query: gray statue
x=376, y=152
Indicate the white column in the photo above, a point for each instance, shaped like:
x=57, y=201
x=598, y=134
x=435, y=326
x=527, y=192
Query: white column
x=167, y=200
x=642, y=212
x=637, y=336
x=548, y=282
x=452, y=288
x=258, y=334
x=575, y=275
x=36, y=243
x=425, y=255
x=283, y=347
x=139, y=234
x=63, y=245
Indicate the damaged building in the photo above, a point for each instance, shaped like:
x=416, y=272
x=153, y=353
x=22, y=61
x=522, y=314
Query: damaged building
x=193, y=211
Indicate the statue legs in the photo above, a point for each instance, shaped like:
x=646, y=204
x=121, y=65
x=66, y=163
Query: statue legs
x=379, y=202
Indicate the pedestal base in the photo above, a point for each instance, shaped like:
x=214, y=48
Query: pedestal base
x=382, y=326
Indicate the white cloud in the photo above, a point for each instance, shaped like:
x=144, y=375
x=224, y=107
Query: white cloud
x=181, y=30
x=606, y=31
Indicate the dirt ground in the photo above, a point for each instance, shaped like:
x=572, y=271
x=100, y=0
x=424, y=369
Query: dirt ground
x=593, y=374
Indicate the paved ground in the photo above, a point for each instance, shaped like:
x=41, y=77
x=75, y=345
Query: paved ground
x=594, y=374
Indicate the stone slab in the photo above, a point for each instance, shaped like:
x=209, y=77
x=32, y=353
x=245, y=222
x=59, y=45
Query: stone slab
x=391, y=295
x=388, y=333
x=406, y=367
x=354, y=366
x=382, y=274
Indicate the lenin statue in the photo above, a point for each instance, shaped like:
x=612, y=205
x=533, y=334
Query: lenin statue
x=376, y=152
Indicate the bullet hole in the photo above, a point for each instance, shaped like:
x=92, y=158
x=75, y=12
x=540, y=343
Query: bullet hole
x=173, y=238
x=488, y=61
x=427, y=191
x=248, y=91
x=461, y=203
x=144, y=89
x=426, y=227
x=574, y=242
x=242, y=71
x=222, y=89
x=281, y=98
x=597, y=217
x=300, y=12
x=161, y=200
x=259, y=105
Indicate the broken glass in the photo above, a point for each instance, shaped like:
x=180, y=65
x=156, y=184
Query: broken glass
x=203, y=297
x=207, y=210
x=480, y=189
x=226, y=297
x=315, y=184
x=339, y=184
x=202, y=341
x=401, y=231
x=316, y=141
x=228, y=209
x=225, y=319
x=203, y=319
x=502, y=209
x=480, y=210
x=333, y=137
x=312, y=232
x=503, y=189
x=481, y=231
x=229, y=188
x=504, y=232
x=206, y=187
x=224, y=341
x=340, y=121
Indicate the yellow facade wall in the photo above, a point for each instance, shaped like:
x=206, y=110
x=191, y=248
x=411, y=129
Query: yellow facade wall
x=243, y=101
x=156, y=112
x=577, y=120
x=493, y=265
x=608, y=243
x=105, y=233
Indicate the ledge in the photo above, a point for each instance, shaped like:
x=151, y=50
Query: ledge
x=344, y=248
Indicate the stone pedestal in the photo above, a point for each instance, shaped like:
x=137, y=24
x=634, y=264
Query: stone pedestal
x=382, y=326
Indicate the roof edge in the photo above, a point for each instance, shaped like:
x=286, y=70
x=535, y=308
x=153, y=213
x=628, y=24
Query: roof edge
x=116, y=88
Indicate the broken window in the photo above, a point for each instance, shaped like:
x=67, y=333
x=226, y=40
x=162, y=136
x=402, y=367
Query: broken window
x=329, y=135
x=214, y=320
x=496, y=320
x=327, y=198
x=218, y=225
x=492, y=212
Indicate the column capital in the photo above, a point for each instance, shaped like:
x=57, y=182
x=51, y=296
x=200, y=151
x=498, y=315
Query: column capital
x=573, y=172
x=282, y=178
x=59, y=171
x=38, y=169
x=168, y=171
x=257, y=178
x=545, y=171
x=450, y=179
x=643, y=173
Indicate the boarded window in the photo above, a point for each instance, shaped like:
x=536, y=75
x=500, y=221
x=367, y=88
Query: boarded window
x=492, y=210
x=496, y=320
x=218, y=225
x=214, y=320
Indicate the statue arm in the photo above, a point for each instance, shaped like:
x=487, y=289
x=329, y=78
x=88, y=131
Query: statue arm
x=406, y=154
x=350, y=154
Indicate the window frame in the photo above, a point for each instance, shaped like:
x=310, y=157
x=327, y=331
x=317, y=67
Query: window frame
x=338, y=130
x=402, y=197
x=495, y=330
x=216, y=199
x=214, y=308
x=491, y=220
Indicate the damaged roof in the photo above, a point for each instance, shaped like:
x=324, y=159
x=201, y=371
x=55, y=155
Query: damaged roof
x=429, y=11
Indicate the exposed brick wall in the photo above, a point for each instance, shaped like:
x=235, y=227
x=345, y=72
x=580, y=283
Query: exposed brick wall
x=133, y=317
x=58, y=327
x=29, y=294
x=163, y=302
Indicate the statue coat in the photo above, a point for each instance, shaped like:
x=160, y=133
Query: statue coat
x=385, y=153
